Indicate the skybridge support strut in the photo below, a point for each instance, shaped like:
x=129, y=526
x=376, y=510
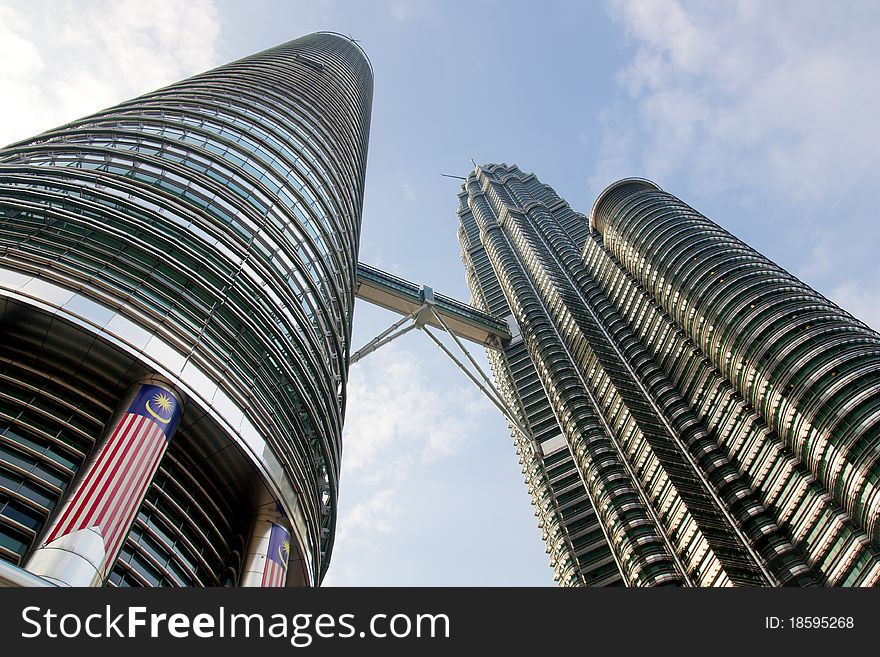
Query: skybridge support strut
x=419, y=319
x=389, y=334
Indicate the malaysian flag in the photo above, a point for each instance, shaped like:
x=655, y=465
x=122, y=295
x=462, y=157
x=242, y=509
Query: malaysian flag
x=275, y=572
x=107, y=498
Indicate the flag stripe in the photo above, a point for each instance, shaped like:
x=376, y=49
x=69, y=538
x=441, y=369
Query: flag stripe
x=103, y=471
x=273, y=575
x=112, y=491
x=124, y=489
x=101, y=493
x=129, y=494
x=123, y=476
x=83, y=497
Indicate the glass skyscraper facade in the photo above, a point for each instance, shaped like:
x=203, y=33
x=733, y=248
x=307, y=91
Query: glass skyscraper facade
x=695, y=415
x=196, y=249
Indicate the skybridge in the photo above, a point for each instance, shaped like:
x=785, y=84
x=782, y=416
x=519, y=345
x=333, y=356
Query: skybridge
x=403, y=297
x=421, y=308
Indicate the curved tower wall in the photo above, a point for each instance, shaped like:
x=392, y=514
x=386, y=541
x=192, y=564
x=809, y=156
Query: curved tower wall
x=206, y=233
x=786, y=378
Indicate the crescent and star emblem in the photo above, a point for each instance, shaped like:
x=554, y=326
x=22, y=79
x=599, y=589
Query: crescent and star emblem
x=165, y=405
x=284, y=552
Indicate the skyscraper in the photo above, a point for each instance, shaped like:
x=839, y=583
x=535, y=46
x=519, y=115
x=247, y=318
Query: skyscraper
x=695, y=414
x=176, y=291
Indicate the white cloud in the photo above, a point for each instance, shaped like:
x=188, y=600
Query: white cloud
x=399, y=11
x=409, y=192
x=397, y=417
x=737, y=93
x=375, y=515
x=860, y=298
x=399, y=420
x=62, y=60
x=407, y=10
x=767, y=109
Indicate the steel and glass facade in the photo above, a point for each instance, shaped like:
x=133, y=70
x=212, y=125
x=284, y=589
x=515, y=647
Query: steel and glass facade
x=697, y=416
x=204, y=235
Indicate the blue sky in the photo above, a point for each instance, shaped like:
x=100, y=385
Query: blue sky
x=762, y=115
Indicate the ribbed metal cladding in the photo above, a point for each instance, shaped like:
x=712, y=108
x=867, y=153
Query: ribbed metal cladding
x=838, y=552
x=794, y=377
x=643, y=452
x=220, y=215
x=638, y=545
